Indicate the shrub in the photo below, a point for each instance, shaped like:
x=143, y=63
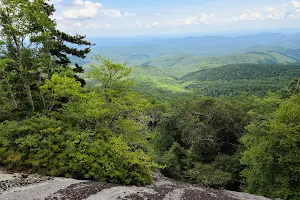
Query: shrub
x=207, y=175
x=48, y=146
x=230, y=164
x=173, y=161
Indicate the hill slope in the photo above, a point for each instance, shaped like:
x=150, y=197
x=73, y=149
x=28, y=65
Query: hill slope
x=238, y=78
x=182, y=64
x=244, y=71
x=172, y=75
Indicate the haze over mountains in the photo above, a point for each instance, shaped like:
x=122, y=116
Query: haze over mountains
x=177, y=65
x=131, y=48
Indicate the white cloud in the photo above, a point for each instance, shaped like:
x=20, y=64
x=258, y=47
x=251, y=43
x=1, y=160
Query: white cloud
x=246, y=16
x=77, y=25
x=98, y=26
x=274, y=13
x=287, y=11
x=157, y=14
x=78, y=2
x=129, y=14
x=114, y=13
x=82, y=10
x=202, y=18
x=69, y=25
x=199, y=19
x=155, y=24
x=292, y=10
x=55, y=1
x=91, y=25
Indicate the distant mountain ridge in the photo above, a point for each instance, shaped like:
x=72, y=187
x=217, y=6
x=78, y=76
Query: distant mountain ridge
x=123, y=49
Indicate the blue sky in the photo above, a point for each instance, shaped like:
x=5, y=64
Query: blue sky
x=170, y=17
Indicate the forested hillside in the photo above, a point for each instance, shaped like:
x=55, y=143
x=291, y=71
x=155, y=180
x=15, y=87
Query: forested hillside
x=227, y=122
x=255, y=73
x=180, y=65
x=244, y=71
x=237, y=79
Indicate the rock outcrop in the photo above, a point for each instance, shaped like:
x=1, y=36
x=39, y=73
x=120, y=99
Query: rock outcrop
x=29, y=187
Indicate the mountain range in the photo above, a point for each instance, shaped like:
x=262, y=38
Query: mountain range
x=177, y=65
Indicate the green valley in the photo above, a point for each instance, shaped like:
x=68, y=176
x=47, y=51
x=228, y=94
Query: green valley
x=180, y=74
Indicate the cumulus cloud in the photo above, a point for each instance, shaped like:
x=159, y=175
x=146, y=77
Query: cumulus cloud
x=82, y=10
x=287, y=11
x=292, y=10
x=202, y=18
x=246, y=16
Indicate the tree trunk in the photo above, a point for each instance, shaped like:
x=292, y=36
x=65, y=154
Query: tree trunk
x=12, y=95
x=29, y=96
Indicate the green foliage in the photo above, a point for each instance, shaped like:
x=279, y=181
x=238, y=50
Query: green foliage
x=59, y=89
x=47, y=145
x=102, y=137
x=179, y=65
x=194, y=135
x=272, y=154
x=245, y=71
x=26, y=35
x=112, y=105
x=35, y=50
x=93, y=134
x=167, y=77
x=174, y=160
x=209, y=126
x=258, y=79
x=231, y=165
x=293, y=88
x=109, y=74
x=207, y=175
x=53, y=125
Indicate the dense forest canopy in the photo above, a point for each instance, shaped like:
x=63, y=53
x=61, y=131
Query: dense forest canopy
x=233, y=125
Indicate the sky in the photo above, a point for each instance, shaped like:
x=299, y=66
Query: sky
x=102, y=18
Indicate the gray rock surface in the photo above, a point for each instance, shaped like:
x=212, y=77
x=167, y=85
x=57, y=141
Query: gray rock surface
x=35, y=187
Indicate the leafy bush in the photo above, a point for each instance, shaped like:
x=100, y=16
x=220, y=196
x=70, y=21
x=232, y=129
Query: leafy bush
x=230, y=164
x=47, y=145
x=208, y=175
x=173, y=161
